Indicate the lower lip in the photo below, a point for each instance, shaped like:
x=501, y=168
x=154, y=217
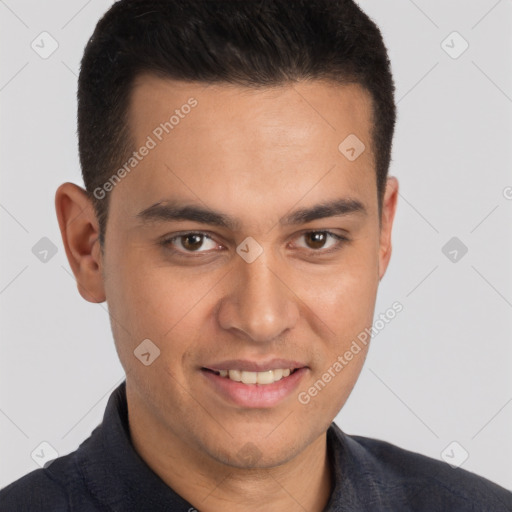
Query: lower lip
x=255, y=395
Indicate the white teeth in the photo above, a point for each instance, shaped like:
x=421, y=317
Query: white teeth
x=249, y=377
x=235, y=375
x=268, y=377
x=265, y=377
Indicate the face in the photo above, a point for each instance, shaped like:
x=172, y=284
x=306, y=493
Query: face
x=243, y=242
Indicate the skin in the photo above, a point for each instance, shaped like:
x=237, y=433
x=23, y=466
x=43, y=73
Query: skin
x=254, y=155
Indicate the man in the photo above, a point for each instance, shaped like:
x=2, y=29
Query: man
x=237, y=218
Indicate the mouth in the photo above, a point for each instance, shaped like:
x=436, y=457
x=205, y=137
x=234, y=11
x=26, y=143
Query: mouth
x=251, y=389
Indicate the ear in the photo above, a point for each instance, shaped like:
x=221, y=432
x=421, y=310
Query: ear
x=80, y=230
x=388, y=214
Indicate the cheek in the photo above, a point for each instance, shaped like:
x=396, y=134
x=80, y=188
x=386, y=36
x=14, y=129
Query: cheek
x=348, y=310
x=158, y=302
x=344, y=295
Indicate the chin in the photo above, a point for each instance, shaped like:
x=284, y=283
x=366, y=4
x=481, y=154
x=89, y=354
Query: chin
x=257, y=451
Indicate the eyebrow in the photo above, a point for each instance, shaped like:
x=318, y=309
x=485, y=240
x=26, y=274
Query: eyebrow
x=168, y=211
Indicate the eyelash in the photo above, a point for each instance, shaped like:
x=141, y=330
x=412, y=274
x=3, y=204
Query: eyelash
x=166, y=243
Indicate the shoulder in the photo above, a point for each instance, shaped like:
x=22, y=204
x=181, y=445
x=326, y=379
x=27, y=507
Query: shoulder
x=54, y=487
x=36, y=491
x=419, y=480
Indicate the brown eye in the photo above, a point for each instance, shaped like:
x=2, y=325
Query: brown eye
x=316, y=240
x=191, y=242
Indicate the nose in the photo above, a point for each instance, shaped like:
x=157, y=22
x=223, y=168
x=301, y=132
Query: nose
x=259, y=303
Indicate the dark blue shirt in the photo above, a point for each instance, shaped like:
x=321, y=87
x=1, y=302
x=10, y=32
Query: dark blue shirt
x=106, y=474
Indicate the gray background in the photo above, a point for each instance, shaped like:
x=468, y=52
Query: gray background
x=439, y=372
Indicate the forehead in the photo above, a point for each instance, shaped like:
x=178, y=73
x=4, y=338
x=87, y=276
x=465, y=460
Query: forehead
x=216, y=142
x=292, y=109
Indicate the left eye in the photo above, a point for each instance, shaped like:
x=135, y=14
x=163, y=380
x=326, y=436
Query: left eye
x=316, y=240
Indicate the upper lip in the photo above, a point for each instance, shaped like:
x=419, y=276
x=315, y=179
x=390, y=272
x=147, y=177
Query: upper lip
x=254, y=366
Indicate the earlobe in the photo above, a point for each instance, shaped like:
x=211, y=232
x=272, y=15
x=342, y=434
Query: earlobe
x=79, y=230
x=388, y=214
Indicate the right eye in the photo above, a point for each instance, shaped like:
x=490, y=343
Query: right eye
x=190, y=242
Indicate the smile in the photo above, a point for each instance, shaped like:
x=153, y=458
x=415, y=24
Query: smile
x=254, y=389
